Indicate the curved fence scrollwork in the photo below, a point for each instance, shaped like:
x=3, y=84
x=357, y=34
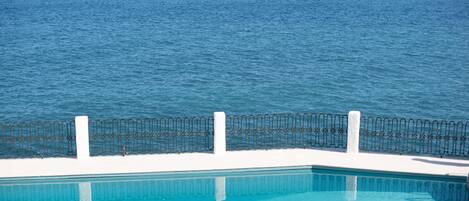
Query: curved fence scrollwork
x=155, y=135
x=414, y=136
x=37, y=139
x=243, y=132
x=287, y=130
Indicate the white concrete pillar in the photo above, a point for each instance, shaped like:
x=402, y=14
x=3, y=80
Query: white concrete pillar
x=353, y=136
x=82, y=137
x=219, y=139
x=220, y=188
x=351, y=188
x=84, y=188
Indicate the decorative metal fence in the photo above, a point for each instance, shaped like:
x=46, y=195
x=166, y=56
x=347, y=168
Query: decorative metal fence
x=37, y=139
x=146, y=136
x=414, y=136
x=288, y=130
x=244, y=132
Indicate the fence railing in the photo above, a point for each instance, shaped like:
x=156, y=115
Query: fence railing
x=146, y=136
x=37, y=139
x=288, y=130
x=234, y=132
x=414, y=136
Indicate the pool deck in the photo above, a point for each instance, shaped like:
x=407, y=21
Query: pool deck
x=232, y=160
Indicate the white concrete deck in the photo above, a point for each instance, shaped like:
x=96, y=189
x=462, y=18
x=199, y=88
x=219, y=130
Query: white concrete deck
x=232, y=160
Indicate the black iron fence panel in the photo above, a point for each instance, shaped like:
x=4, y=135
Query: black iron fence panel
x=414, y=136
x=148, y=136
x=37, y=139
x=287, y=130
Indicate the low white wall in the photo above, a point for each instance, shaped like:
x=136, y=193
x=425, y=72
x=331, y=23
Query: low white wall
x=232, y=160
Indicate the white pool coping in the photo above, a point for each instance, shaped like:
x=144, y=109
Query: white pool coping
x=10, y=168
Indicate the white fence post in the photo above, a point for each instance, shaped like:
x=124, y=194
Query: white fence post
x=219, y=139
x=82, y=137
x=353, y=136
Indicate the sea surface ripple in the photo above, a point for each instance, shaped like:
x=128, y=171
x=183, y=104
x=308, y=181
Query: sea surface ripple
x=145, y=58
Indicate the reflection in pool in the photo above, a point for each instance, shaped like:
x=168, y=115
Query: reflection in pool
x=272, y=185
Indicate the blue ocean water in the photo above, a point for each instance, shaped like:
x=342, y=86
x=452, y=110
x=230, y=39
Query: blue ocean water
x=118, y=58
x=269, y=185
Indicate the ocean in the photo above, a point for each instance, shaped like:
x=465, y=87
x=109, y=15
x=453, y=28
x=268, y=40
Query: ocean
x=147, y=58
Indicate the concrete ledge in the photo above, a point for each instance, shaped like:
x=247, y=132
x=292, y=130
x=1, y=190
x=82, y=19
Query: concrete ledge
x=232, y=160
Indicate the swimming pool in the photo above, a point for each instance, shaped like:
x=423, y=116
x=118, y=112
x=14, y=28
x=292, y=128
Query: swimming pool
x=302, y=183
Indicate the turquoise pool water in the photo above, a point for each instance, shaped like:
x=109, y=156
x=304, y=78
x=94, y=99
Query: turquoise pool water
x=272, y=185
